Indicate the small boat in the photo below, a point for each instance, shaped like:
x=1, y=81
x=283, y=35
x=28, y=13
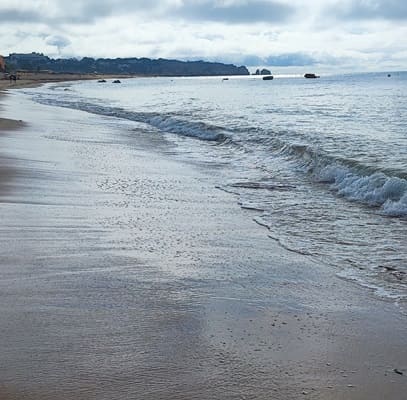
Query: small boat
x=101, y=81
x=311, y=76
x=268, y=78
x=116, y=81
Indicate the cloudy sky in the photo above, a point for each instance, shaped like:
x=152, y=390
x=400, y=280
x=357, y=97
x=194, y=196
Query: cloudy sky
x=283, y=34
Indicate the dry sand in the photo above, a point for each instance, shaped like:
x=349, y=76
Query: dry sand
x=126, y=275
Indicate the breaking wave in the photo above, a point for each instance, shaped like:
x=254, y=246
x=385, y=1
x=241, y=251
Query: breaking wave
x=349, y=178
x=378, y=189
x=163, y=122
x=352, y=180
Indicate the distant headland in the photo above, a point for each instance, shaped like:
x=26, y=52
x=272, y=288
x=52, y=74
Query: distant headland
x=133, y=66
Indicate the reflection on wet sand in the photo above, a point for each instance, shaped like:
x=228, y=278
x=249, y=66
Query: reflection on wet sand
x=128, y=275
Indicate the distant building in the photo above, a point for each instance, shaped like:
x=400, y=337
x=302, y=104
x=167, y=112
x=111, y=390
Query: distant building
x=2, y=64
x=27, y=57
x=27, y=61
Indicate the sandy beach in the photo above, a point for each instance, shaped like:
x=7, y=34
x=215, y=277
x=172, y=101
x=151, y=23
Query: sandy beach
x=32, y=79
x=126, y=274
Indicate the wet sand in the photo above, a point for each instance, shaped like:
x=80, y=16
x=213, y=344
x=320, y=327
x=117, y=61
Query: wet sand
x=125, y=274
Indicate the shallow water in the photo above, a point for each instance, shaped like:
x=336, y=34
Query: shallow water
x=322, y=162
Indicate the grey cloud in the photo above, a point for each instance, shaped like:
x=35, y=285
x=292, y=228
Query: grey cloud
x=74, y=11
x=278, y=60
x=81, y=12
x=224, y=58
x=22, y=34
x=252, y=60
x=371, y=9
x=234, y=12
x=210, y=36
x=104, y=8
x=291, y=60
x=14, y=15
x=58, y=41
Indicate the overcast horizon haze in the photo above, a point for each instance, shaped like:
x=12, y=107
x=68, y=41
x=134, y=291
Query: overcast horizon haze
x=330, y=35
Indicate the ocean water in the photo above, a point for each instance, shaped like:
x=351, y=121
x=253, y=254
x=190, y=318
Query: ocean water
x=322, y=163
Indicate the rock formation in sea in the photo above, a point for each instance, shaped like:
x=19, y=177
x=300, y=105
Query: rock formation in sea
x=263, y=71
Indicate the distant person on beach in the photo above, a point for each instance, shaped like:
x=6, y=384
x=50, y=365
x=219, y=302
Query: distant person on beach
x=13, y=78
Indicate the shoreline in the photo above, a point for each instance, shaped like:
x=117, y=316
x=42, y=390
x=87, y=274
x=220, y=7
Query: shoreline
x=127, y=274
x=34, y=79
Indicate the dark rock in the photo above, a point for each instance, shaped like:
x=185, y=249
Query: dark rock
x=311, y=76
x=264, y=71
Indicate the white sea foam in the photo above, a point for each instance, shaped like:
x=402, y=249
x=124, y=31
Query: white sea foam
x=376, y=189
x=396, y=208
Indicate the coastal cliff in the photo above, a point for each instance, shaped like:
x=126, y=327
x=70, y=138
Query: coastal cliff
x=137, y=66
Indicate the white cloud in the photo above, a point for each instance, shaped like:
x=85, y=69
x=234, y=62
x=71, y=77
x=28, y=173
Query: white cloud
x=359, y=34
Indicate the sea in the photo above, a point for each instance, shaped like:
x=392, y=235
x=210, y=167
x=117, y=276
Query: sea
x=322, y=163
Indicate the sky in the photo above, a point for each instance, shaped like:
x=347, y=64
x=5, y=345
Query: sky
x=285, y=35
